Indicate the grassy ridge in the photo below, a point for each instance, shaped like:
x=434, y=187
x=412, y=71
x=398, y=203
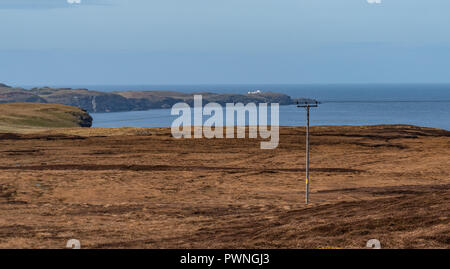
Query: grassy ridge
x=22, y=117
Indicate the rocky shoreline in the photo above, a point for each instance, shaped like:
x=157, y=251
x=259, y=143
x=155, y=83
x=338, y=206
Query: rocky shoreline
x=95, y=101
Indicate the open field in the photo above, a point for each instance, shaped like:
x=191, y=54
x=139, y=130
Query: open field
x=140, y=188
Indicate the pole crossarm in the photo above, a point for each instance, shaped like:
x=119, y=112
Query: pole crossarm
x=307, y=106
x=311, y=103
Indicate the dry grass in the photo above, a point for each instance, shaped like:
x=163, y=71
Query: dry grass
x=34, y=117
x=140, y=188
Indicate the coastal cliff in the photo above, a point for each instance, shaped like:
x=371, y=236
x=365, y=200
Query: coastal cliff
x=95, y=101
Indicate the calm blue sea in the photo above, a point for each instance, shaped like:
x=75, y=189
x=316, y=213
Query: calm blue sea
x=365, y=104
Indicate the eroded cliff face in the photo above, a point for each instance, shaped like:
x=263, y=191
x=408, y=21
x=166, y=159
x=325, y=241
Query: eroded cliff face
x=94, y=101
x=83, y=118
x=89, y=100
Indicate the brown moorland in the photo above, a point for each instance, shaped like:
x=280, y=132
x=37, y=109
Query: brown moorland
x=141, y=188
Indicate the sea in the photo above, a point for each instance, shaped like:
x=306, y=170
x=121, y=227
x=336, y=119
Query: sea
x=426, y=105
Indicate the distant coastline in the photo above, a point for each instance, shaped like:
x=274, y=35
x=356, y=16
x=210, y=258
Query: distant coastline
x=121, y=101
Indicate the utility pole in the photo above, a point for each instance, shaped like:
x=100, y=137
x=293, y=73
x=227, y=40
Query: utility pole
x=307, y=105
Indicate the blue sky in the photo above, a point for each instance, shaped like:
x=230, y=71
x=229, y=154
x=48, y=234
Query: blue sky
x=52, y=42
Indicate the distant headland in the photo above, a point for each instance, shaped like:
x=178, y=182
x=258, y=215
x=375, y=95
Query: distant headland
x=96, y=101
